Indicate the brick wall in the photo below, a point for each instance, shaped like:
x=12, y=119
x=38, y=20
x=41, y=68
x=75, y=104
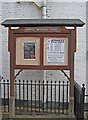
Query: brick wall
x=55, y=10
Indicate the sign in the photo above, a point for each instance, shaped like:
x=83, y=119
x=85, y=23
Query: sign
x=29, y=50
x=42, y=29
x=55, y=51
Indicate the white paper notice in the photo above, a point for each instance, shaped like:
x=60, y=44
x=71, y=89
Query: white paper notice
x=55, y=51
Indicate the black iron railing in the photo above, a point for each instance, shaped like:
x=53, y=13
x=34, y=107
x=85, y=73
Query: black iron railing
x=37, y=97
x=86, y=104
x=79, y=94
x=5, y=89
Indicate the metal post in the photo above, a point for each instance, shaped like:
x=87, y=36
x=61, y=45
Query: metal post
x=59, y=97
x=47, y=96
x=39, y=95
x=27, y=95
x=83, y=100
x=51, y=95
x=55, y=94
x=63, y=99
x=35, y=95
x=31, y=95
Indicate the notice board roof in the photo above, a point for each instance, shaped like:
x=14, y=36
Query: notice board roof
x=42, y=22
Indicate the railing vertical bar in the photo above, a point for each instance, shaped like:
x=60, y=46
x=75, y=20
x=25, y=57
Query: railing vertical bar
x=67, y=98
x=31, y=95
x=51, y=96
x=39, y=95
x=15, y=96
x=35, y=95
x=43, y=95
x=47, y=97
x=55, y=96
x=83, y=99
x=19, y=96
x=59, y=99
x=23, y=95
x=4, y=97
x=63, y=98
x=27, y=95
x=8, y=93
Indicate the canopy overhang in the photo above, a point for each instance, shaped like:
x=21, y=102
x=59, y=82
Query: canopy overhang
x=42, y=22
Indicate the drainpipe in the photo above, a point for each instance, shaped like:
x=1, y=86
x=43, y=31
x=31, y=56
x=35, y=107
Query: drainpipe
x=44, y=9
x=44, y=72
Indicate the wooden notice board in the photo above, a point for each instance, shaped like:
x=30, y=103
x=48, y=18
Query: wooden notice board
x=47, y=51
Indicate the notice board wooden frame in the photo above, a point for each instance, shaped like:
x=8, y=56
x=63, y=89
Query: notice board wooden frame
x=41, y=65
x=61, y=31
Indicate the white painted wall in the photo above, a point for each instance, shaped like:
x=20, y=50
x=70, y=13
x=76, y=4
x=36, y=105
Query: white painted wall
x=47, y=0
x=55, y=10
x=87, y=46
x=0, y=39
x=0, y=57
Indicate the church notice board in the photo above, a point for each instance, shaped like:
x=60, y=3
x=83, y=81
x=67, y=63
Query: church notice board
x=37, y=51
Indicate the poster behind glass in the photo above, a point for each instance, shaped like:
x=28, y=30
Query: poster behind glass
x=29, y=50
x=55, y=51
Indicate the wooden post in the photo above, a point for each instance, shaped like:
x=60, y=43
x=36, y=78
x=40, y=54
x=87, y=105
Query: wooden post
x=9, y=38
x=12, y=97
x=72, y=76
x=71, y=100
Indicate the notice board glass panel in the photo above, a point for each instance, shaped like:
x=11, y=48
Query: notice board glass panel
x=55, y=51
x=27, y=50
